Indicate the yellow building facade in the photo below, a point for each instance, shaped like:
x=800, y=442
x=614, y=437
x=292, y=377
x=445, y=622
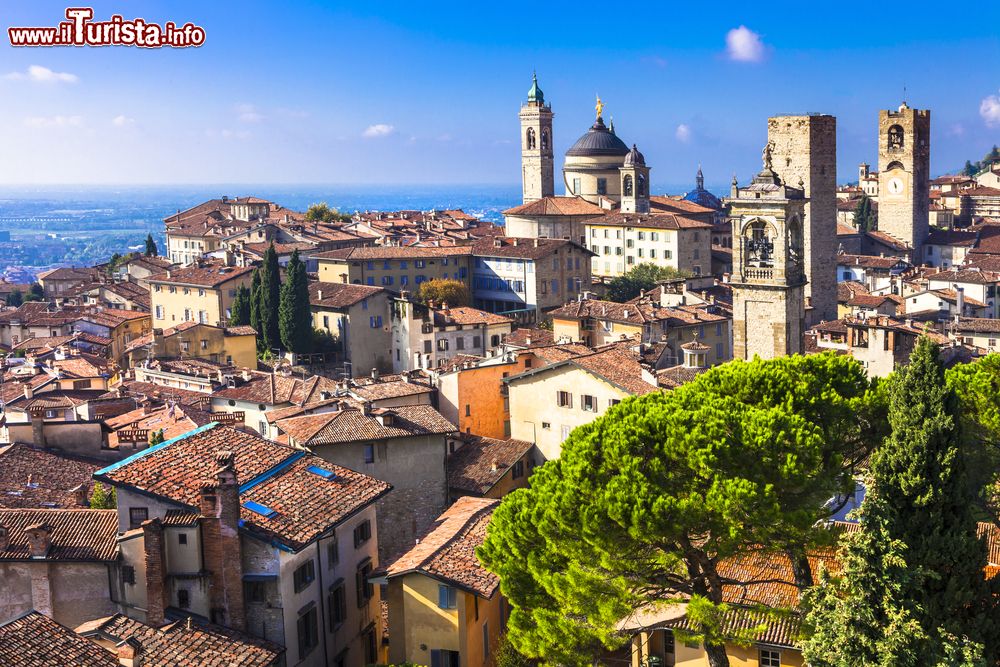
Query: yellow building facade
x=199, y=293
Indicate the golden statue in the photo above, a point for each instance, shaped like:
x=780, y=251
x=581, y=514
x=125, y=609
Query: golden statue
x=599, y=107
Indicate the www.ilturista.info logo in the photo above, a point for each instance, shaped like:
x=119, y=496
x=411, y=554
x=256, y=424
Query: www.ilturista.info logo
x=81, y=30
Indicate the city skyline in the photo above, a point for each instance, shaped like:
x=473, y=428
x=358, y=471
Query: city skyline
x=395, y=95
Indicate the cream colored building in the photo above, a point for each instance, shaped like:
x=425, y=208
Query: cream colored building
x=203, y=292
x=394, y=268
x=621, y=241
x=358, y=317
x=235, y=346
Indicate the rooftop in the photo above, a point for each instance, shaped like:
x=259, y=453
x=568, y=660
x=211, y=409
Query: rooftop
x=31, y=477
x=35, y=640
x=481, y=462
x=77, y=534
x=354, y=425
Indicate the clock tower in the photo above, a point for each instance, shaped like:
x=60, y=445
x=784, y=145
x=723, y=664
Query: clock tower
x=904, y=154
x=536, y=146
x=769, y=277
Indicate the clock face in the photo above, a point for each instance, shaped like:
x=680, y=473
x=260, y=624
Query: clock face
x=895, y=185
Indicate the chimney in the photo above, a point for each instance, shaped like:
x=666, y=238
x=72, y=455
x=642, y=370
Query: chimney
x=960, y=300
x=221, y=545
x=80, y=495
x=152, y=539
x=129, y=653
x=39, y=539
x=375, y=374
x=494, y=466
x=385, y=419
x=28, y=391
x=536, y=242
x=4, y=538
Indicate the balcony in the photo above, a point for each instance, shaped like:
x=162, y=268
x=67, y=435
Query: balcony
x=758, y=273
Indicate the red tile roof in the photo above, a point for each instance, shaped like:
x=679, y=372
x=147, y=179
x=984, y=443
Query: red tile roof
x=392, y=252
x=448, y=551
x=353, y=425
x=480, y=463
x=187, y=643
x=77, y=534
x=211, y=274
x=278, y=477
x=340, y=295
x=466, y=315
x=35, y=640
x=34, y=478
x=523, y=248
x=556, y=206
x=650, y=220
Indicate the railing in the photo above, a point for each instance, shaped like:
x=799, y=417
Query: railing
x=753, y=273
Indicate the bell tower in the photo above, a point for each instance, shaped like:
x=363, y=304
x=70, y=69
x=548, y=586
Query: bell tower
x=536, y=146
x=768, y=277
x=635, y=183
x=904, y=156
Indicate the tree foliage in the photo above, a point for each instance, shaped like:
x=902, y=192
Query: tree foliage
x=268, y=301
x=103, y=497
x=912, y=589
x=323, y=213
x=640, y=278
x=865, y=217
x=255, y=314
x=444, y=290
x=151, y=249
x=15, y=298
x=644, y=502
x=156, y=437
x=241, y=308
x=295, y=317
x=35, y=293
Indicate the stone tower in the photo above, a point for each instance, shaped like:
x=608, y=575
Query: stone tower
x=904, y=162
x=635, y=183
x=768, y=277
x=805, y=148
x=536, y=146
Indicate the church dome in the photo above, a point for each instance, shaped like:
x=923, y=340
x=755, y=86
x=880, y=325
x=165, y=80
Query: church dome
x=599, y=141
x=701, y=196
x=635, y=158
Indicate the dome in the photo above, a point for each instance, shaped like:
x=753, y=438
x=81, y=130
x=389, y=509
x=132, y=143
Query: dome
x=535, y=94
x=599, y=141
x=635, y=158
x=703, y=197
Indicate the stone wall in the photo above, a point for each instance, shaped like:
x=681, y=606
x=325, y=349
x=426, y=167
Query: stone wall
x=904, y=213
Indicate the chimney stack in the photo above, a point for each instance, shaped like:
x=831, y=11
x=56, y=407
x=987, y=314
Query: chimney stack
x=39, y=539
x=156, y=603
x=4, y=538
x=80, y=495
x=129, y=653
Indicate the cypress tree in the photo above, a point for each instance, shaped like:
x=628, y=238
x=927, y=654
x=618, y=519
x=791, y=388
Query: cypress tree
x=151, y=250
x=913, y=590
x=255, y=319
x=294, y=316
x=270, y=297
x=241, y=307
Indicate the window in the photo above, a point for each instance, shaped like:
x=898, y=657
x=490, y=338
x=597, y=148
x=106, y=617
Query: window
x=362, y=533
x=518, y=470
x=564, y=399
x=386, y=280
x=371, y=648
x=375, y=322
x=565, y=431
x=602, y=186
x=332, y=553
x=654, y=236
x=304, y=575
x=404, y=280
x=468, y=410
x=444, y=658
x=460, y=343
x=204, y=344
x=613, y=402
x=369, y=453
x=589, y=403
x=183, y=598
x=576, y=186
x=256, y=592
x=128, y=574
x=447, y=597
x=419, y=263
x=364, y=587
x=337, y=604
x=136, y=516
x=769, y=658
x=308, y=632
x=182, y=538
x=476, y=341
x=159, y=312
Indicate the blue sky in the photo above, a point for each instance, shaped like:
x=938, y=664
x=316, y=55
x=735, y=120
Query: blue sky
x=416, y=93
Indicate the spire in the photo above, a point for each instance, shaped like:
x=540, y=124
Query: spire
x=611, y=128
x=535, y=94
x=700, y=179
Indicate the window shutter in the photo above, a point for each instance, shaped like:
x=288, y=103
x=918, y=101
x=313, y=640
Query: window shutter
x=436, y=658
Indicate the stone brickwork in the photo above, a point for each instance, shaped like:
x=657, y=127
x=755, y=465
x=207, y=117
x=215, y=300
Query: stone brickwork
x=767, y=321
x=805, y=147
x=537, y=162
x=904, y=154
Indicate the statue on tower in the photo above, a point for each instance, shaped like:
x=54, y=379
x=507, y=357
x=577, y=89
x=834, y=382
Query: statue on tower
x=766, y=155
x=599, y=107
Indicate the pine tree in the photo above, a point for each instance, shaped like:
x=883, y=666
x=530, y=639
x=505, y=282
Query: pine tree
x=255, y=315
x=912, y=590
x=15, y=298
x=270, y=298
x=241, y=307
x=156, y=437
x=103, y=498
x=151, y=250
x=864, y=216
x=294, y=316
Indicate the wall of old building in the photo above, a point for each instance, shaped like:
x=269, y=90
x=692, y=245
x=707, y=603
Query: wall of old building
x=69, y=592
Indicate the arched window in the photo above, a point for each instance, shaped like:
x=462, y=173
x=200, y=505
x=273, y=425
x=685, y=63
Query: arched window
x=794, y=232
x=895, y=138
x=758, y=244
x=529, y=138
x=627, y=186
x=641, y=190
x=894, y=165
x=545, y=140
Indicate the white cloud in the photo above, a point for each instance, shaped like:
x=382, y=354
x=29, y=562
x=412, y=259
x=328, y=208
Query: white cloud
x=683, y=133
x=40, y=74
x=54, y=121
x=122, y=120
x=956, y=130
x=989, y=109
x=247, y=113
x=378, y=130
x=744, y=45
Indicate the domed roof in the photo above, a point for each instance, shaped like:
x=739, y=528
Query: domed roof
x=701, y=196
x=599, y=141
x=535, y=94
x=635, y=158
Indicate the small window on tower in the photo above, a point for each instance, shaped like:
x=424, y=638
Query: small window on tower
x=602, y=186
x=545, y=140
x=529, y=139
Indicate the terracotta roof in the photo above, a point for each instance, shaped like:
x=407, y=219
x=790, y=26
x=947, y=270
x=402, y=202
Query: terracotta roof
x=187, y=643
x=172, y=420
x=35, y=478
x=389, y=386
x=240, y=330
x=210, y=274
x=556, y=206
x=682, y=206
x=481, y=462
x=528, y=337
x=649, y=220
x=43, y=343
x=981, y=191
x=353, y=425
x=969, y=325
x=467, y=316
x=556, y=352
x=272, y=389
x=523, y=248
x=448, y=551
x=305, y=503
x=640, y=311
x=868, y=261
x=887, y=240
x=35, y=640
x=848, y=288
x=617, y=368
x=869, y=300
x=340, y=295
x=161, y=392
x=974, y=276
x=77, y=534
x=392, y=252
x=951, y=237
x=675, y=376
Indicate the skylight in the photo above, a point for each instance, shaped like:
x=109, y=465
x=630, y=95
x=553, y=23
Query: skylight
x=263, y=510
x=322, y=472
